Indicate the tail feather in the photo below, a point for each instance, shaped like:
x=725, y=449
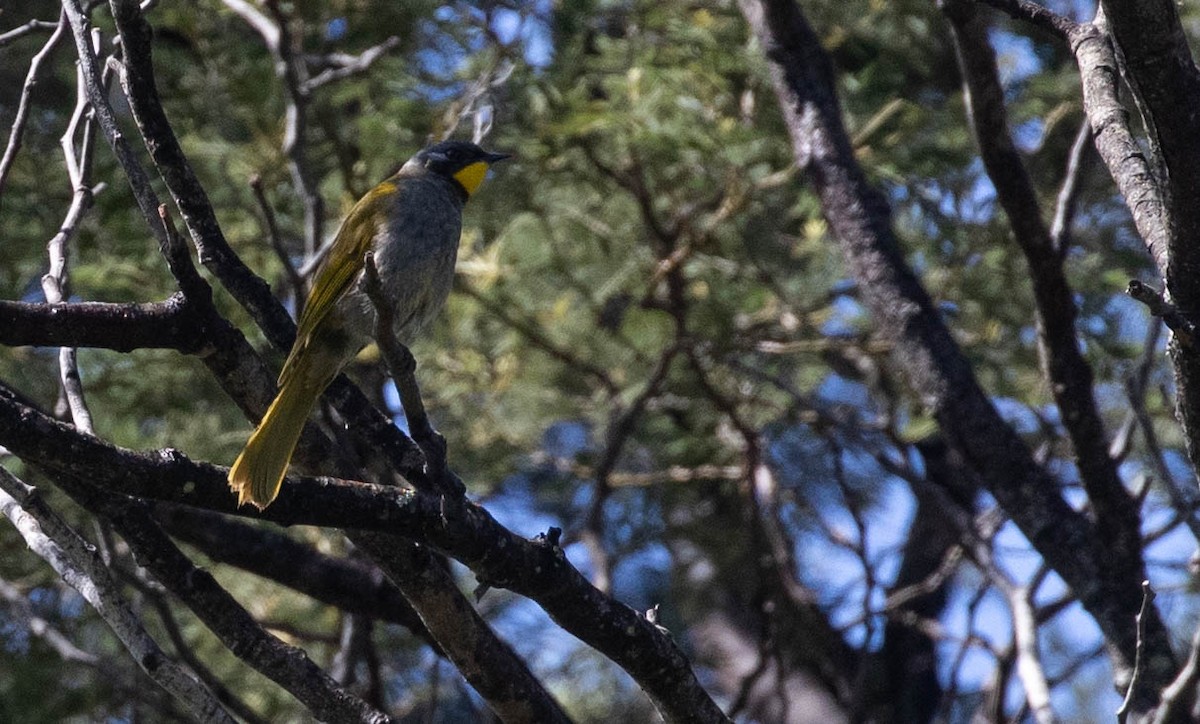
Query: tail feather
x=258, y=472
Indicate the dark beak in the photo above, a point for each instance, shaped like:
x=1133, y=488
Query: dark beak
x=495, y=157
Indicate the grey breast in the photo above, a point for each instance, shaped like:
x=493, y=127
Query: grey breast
x=416, y=265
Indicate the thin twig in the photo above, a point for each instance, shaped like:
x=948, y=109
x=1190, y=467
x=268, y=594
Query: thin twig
x=17, y=132
x=1035, y=14
x=56, y=282
x=538, y=339
x=22, y=611
x=1184, y=498
x=274, y=27
x=351, y=66
x=295, y=281
x=1068, y=192
x=1179, y=698
x=1139, y=661
x=33, y=26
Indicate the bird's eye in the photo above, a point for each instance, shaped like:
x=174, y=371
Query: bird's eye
x=454, y=154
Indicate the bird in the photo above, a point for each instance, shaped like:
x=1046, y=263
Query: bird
x=410, y=223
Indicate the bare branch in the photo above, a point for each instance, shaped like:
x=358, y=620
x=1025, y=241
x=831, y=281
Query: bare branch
x=33, y=26
x=1038, y=15
x=74, y=560
x=1068, y=192
x=468, y=533
x=17, y=131
x=927, y=353
x=122, y=327
x=1029, y=667
x=1140, y=663
x=351, y=585
x=1120, y=151
x=55, y=283
x=1179, y=699
x=288, y=666
x=1069, y=375
x=352, y=66
x=295, y=281
x=19, y=605
x=485, y=661
x=1184, y=329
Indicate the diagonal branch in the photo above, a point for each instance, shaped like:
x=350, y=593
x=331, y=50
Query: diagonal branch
x=457, y=527
x=927, y=353
x=1068, y=373
x=79, y=565
x=1157, y=63
x=286, y=665
x=1068, y=192
x=17, y=131
x=351, y=585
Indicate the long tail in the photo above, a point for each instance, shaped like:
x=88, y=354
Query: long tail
x=258, y=472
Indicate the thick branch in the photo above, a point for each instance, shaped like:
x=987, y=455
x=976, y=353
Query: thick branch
x=1115, y=142
x=1166, y=211
x=123, y=327
x=464, y=531
x=350, y=585
x=1069, y=375
x=926, y=352
x=1158, y=65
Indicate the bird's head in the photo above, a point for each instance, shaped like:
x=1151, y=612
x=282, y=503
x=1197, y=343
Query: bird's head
x=463, y=162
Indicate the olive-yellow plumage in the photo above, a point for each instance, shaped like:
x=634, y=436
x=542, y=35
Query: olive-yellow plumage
x=411, y=223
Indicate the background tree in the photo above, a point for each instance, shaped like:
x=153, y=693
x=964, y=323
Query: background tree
x=794, y=368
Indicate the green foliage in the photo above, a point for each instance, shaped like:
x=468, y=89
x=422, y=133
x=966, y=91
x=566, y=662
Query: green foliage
x=649, y=150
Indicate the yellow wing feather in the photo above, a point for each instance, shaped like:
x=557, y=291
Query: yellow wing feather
x=340, y=267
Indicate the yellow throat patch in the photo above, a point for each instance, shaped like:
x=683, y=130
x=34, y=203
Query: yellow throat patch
x=471, y=176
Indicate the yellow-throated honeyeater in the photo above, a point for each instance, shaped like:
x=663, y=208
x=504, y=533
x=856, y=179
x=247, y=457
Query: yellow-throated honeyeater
x=411, y=223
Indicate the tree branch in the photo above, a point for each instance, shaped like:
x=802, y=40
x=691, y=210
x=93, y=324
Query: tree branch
x=1069, y=375
x=1035, y=14
x=350, y=585
x=486, y=662
x=1158, y=65
x=286, y=665
x=33, y=26
x=17, y=131
x=927, y=353
x=457, y=527
x=169, y=324
x=76, y=561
